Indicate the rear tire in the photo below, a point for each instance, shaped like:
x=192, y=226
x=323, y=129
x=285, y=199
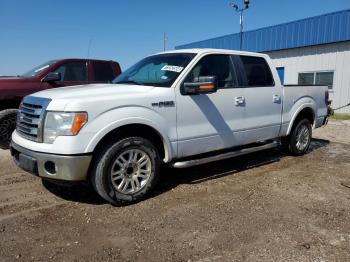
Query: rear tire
x=126, y=171
x=7, y=126
x=298, y=142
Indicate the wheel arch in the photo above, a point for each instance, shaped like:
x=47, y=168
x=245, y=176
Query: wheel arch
x=9, y=104
x=7, y=126
x=305, y=111
x=144, y=130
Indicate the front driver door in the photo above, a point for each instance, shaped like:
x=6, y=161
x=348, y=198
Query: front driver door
x=207, y=122
x=72, y=73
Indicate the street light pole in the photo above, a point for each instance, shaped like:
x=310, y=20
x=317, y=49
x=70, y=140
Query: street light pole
x=240, y=10
x=241, y=29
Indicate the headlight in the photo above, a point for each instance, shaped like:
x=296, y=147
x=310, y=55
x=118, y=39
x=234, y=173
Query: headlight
x=63, y=124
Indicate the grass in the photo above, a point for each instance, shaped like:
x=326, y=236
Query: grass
x=340, y=116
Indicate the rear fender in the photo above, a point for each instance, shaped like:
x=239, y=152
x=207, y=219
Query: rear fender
x=300, y=105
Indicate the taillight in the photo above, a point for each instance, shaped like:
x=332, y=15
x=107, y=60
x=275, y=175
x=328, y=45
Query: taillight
x=326, y=97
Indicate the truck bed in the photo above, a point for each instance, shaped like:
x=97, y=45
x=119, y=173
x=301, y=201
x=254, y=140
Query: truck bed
x=297, y=97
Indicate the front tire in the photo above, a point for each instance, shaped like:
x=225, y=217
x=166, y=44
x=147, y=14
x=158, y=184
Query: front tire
x=7, y=126
x=300, y=138
x=126, y=171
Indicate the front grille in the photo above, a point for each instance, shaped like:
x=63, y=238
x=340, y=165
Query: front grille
x=30, y=117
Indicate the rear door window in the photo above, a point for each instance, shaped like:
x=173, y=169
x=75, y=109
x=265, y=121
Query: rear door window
x=255, y=72
x=103, y=72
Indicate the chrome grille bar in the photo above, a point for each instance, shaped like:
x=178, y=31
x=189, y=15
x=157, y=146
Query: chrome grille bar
x=31, y=116
x=31, y=111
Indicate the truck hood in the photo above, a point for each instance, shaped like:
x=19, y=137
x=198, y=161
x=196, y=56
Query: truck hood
x=83, y=92
x=16, y=86
x=99, y=98
x=2, y=78
x=13, y=79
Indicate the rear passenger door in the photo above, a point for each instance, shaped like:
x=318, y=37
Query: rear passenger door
x=262, y=107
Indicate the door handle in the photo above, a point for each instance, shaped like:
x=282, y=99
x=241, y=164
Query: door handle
x=239, y=100
x=276, y=98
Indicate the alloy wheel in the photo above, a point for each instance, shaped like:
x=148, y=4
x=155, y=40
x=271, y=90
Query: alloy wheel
x=131, y=171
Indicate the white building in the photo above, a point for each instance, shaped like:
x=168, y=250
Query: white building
x=323, y=64
x=314, y=50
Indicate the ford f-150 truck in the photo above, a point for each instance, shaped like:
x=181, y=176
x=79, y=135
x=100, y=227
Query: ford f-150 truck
x=55, y=73
x=182, y=108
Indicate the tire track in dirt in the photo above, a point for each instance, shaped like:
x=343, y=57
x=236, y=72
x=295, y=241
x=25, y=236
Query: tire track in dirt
x=30, y=210
x=21, y=193
x=259, y=207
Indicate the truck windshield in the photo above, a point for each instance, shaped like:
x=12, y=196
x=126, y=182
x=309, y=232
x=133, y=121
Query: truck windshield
x=157, y=70
x=38, y=69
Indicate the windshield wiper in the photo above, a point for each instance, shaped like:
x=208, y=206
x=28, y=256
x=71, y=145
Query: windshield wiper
x=128, y=82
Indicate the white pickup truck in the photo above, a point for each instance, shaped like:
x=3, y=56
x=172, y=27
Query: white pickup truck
x=182, y=108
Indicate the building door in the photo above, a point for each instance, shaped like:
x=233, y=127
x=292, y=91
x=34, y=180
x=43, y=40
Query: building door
x=280, y=71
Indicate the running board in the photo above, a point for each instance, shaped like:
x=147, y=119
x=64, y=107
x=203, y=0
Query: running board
x=200, y=161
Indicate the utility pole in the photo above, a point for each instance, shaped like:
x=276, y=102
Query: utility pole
x=240, y=10
x=89, y=46
x=165, y=39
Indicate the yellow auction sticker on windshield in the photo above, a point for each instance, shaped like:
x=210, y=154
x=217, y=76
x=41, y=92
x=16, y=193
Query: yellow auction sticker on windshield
x=172, y=68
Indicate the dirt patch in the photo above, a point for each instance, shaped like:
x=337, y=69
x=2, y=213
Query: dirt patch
x=335, y=131
x=262, y=207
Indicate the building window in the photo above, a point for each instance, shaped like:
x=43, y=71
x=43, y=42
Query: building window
x=316, y=78
x=306, y=79
x=324, y=78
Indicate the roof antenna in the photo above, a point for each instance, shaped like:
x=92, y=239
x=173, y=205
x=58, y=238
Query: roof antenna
x=165, y=39
x=88, y=53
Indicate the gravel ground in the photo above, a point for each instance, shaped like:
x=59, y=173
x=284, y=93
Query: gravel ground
x=263, y=207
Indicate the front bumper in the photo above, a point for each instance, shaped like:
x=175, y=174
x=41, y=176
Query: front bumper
x=52, y=166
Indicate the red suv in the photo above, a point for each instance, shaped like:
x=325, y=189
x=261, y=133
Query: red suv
x=55, y=73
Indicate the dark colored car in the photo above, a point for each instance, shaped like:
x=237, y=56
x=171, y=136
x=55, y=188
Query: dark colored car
x=52, y=74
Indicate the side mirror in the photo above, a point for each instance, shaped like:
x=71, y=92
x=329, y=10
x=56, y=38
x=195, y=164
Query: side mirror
x=201, y=85
x=52, y=77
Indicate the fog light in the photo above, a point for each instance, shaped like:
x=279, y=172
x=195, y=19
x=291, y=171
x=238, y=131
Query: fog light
x=50, y=168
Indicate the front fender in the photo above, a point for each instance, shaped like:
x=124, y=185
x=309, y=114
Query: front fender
x=111, y=120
